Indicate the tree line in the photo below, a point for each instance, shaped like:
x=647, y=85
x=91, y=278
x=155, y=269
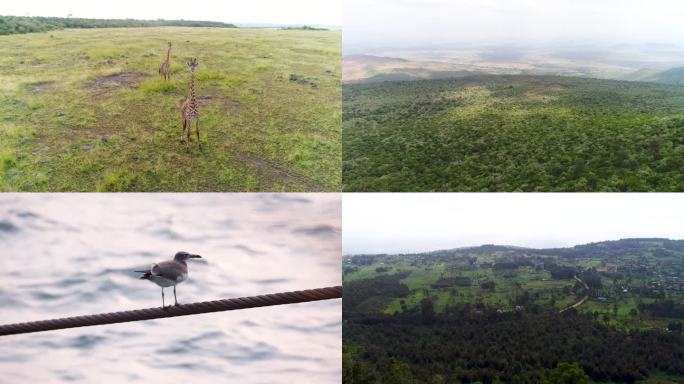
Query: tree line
x=10, y=25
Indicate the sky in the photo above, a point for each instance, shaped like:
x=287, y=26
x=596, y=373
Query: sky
x=410, y=222
x=319, y=12
x=373, y=23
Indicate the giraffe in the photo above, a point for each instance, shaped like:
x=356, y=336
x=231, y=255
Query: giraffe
x=189, y=108
x=164, y=68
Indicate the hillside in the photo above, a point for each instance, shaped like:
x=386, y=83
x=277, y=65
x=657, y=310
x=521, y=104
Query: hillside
x=670, y=76
x=513, y=133
x=515, y=314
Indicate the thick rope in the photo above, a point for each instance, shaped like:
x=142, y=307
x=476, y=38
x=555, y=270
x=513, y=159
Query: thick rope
x=173, y=311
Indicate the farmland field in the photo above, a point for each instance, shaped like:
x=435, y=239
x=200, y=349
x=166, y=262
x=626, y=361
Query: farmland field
x=85, y=110
x=510, y=314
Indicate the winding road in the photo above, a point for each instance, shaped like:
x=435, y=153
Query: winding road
x=577, y=304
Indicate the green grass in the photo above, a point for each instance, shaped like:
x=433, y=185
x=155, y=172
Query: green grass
x=423, y=271
x=513, y=133
x=68, y=123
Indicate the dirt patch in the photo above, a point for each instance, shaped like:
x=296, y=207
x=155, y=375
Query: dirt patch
x=274, y=172
x=126, y=80
x=204, y=100
x=299, y=79
x=40, y=86
x=225, y=102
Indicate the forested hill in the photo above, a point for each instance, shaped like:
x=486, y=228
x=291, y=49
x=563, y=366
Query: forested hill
x=657, y=246
x=671, y=76
x=10, y=25
x=513, y=133
x=609, y=311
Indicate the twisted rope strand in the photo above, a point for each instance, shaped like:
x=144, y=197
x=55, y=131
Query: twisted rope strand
x=174, y=311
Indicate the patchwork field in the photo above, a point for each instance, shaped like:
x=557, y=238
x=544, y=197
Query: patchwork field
x=85, y=110
x=622, y=276
x=510, y=314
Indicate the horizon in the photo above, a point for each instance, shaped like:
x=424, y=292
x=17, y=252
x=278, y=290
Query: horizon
x=248, y=24
x=257, y=12
x=420, y=252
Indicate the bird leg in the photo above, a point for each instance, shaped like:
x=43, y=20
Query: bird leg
x=174, y=294
x=163, y=298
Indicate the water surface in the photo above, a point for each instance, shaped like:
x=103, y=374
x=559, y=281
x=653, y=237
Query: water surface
x=74, y=254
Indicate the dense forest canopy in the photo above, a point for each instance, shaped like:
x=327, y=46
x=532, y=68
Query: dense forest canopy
x=10, y=25
x=467, y=344
x=513, y=133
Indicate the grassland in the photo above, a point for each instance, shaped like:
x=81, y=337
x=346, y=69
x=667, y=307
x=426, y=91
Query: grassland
x=85, y=110
x=513, y=133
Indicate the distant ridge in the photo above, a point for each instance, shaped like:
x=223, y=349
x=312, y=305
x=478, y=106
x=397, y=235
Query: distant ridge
x=638, y=242
x=372, y=59
x=670, y=76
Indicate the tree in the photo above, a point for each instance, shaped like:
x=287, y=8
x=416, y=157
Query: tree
x=398, y=373
x=566, y=373
x=427, y=310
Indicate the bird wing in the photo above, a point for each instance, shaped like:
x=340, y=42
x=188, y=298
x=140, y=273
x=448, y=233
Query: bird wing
x=169, y=270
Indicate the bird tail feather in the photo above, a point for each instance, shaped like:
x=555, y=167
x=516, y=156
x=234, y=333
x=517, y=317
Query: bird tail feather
x=146, y=274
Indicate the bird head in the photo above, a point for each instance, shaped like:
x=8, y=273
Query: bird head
x=183, y=256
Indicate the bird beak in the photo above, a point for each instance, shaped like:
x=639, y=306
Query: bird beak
x=195, y=256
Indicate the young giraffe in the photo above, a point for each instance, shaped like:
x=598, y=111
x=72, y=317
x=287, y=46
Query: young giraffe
x=164, y=68
x=189, y=108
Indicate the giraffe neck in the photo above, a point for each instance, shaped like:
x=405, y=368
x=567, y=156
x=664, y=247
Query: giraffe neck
x=192, y=88
x=168, y=54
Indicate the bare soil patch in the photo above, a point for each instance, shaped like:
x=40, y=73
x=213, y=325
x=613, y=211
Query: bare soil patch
x=225, y=102
x=126, y=80
x=40, y=85
x=274, y=172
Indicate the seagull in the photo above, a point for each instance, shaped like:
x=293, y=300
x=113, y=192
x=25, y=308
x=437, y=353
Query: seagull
x=168, y=273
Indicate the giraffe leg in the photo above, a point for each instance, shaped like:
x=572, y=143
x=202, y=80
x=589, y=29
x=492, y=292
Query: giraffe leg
x=197, y=130
x=188, y=133
x=185, y=124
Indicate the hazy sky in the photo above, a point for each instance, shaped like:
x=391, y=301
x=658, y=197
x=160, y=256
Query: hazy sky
x=324, y=12
x=403, y=222
x=397, y=22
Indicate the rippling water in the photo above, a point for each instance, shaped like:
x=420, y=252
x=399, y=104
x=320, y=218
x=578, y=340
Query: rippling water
x=66, y=255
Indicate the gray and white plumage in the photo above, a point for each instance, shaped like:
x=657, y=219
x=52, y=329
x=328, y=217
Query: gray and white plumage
x=169, y=273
